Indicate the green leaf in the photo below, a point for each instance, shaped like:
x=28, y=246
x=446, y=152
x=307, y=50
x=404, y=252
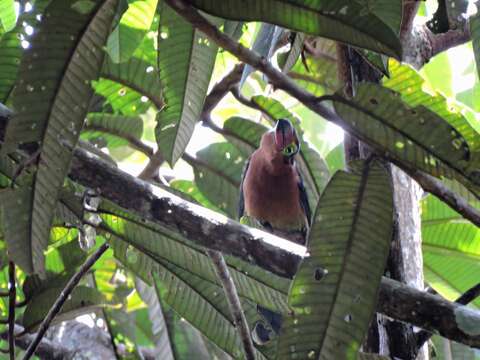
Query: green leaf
x=168, y=251
x=112, y=130
x=16, y=206
x=451, y=249
x=414, y=136
x=186, y=59
x=218, y=173
x=52, y=102
x=410, y=84
x=8, y=17
x=133, y=26
x=123, y=99
x=160, y=331
x=10, y=54
x=264, y=45
x=370, y=25
x=199, y=312
x=82, y=300
x=197, y=301
x=138, y=75
x=319, y=76
x=288, y=59
x=336, y=158
x=193, y=192
x=475, y=34
x=334, y=292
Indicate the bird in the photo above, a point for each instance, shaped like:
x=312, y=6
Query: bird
x=272, y=192
x=273, y=197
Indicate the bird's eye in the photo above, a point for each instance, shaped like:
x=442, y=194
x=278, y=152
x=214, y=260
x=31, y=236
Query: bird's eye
x=290, y=149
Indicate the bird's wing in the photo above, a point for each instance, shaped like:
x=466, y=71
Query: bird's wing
x=241, y=199
x=304, y=199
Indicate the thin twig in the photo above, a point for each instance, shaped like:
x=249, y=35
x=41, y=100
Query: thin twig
x=234, y=303
x=12, y=288
x=57, y=306
x=4, y=293
x=455, y=201
x=467, y=297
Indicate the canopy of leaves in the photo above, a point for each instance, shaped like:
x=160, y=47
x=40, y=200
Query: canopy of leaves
x=134, y=82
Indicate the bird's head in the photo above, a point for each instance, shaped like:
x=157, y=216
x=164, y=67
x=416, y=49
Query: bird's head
x=286, y=140
x=279, y=146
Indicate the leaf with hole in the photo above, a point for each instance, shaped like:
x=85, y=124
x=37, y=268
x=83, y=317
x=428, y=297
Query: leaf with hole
x=414, y=136
x=334, y=293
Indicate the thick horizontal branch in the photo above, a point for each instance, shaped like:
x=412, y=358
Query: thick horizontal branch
x=431, y=312
x=283, y=82
x=216, y=232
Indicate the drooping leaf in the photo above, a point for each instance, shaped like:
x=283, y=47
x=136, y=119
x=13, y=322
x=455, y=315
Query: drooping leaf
x=264, y=45
x=451, y=250
x=364, y=24
x=197, y=301
x=51, y=101
x=191, y=189
x=288, y=59
x=83, y=299
x=112, y=130
x=163, y=345
x=166, y=250
x=133, y=26
x=186, y=59
x=123, y=99
x=475, y=33
x=7, y=15
x=453, y=351
x=10, y=54
x=319, y=73
x=414, y=136
x=138, y=75
x=218, y=174
x=16, y=206
x=410, y=84
x=200, y=313
x=334, y=292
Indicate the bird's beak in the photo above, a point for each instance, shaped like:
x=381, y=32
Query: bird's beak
x=284, y=134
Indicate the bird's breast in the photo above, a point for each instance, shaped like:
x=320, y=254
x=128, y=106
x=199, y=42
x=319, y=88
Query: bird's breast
x=274, y=199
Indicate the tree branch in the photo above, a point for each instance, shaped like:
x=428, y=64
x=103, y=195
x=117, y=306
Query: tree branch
x=234, y=303
x=470, y=295
x=433, y=312
x=216, y=232
x=57, y=306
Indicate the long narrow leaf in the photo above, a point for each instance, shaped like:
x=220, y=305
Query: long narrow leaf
x=371, y=26
x=186, y=59
x=334, y=293
x=51, y=98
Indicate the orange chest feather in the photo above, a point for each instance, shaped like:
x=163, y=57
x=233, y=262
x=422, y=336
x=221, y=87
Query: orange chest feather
x=273, y=198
